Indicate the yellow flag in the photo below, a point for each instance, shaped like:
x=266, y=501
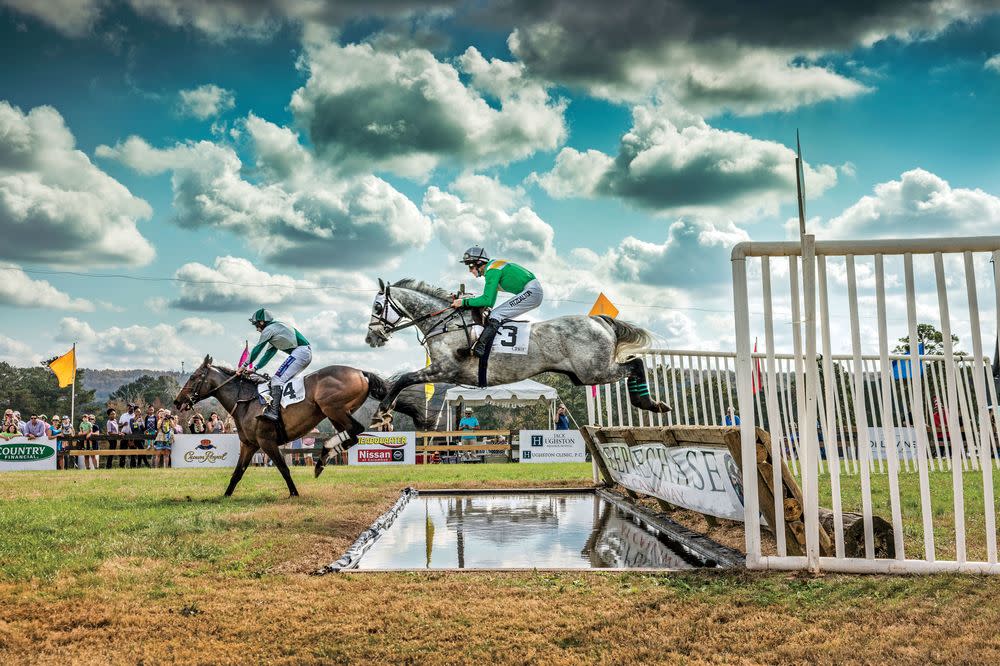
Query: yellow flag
x=64, y=368
x=603, y=306
x=428, y=388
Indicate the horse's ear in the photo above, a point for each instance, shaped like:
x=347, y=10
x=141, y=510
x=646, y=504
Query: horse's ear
x=208, y=360
x=381, y=286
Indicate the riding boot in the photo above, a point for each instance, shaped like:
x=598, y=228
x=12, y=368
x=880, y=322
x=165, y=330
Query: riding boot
x=486, y=338
x=271, y=411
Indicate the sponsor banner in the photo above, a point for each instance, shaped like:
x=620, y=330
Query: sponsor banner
x=384, y=448
x=20, y=453
x=546, y=446
x=217, y=451
x=701, y=478
x=906, y=443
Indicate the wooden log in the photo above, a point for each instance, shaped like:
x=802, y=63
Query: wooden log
x=592, y=437
x=763, y=453
x=658, y=434
x=854, y=534
x=665, y=506
x=714, y=435
x=793, y=510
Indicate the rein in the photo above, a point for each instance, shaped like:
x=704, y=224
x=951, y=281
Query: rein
x=196, y=397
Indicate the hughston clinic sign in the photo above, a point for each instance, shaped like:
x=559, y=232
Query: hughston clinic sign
x=546, y=446
x=702, y=478
x=209, y=451
x=384, y=448
x=21, y=453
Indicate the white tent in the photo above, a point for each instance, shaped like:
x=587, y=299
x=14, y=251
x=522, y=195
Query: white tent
x=526, y=392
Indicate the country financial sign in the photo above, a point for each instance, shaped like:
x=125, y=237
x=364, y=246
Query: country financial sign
x=21, y=453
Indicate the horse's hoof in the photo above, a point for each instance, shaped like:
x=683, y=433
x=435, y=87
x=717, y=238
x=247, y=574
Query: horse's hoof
x=317, y=470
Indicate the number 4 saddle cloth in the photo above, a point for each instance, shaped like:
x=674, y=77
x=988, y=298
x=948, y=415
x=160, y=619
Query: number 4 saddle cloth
x=292, y=392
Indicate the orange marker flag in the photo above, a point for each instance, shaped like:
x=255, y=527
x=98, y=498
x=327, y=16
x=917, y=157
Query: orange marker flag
x=64, y=368
x=603, y=306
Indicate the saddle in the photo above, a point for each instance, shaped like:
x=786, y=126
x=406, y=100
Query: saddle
x=260, y=378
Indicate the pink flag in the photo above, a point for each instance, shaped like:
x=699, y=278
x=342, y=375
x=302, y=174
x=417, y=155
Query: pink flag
x=593, y=391
x=245, y=356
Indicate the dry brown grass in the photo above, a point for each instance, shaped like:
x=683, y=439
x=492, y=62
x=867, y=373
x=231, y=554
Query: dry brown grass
x=137, y=609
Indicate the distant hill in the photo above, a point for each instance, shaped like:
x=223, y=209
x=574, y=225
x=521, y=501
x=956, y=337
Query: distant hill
x=106, y=382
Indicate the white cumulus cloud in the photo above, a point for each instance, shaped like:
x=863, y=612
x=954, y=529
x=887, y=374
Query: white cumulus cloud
x=920, y=203
x=77, y=213
x=672, y=161
x=481, y=211
x=200, y=326
x=16, y=352
x=299, y=213
x=20, y=290
x=407, y=111
x=233, y=284
x=155, y=347
x=206, y=101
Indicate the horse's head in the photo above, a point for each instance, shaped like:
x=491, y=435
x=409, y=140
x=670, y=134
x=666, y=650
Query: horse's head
x=385, y=315
x=197, y=387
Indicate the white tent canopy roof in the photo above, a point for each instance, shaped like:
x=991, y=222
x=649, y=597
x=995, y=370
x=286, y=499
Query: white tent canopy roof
x=524, y=392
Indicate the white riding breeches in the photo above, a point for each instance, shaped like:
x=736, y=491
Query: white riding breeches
x=527, y=300
x=296, y=362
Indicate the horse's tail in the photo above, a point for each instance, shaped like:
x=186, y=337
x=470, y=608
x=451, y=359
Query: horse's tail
x=629, y=339
x=377, y=388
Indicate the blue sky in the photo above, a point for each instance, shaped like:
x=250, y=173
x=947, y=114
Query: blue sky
x=167, y=167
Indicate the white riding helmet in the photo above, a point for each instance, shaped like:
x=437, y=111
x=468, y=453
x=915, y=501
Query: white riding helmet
x=262, y=315
x=474, y=256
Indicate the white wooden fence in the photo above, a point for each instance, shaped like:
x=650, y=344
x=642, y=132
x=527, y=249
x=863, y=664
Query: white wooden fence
x=951, y=298
x=701, y=387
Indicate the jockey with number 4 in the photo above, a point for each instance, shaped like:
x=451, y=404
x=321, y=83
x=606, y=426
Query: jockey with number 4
x=277, y=336
x=500, y=276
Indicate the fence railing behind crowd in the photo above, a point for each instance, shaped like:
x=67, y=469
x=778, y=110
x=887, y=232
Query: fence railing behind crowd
x=869, y=411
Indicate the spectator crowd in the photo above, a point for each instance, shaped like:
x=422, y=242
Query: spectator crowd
x=156, y=426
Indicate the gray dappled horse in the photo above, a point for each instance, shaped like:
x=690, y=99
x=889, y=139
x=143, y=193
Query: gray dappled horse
x=588, y=350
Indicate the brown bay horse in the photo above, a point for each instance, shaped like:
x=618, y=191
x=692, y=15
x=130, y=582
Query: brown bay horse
x=333, y=392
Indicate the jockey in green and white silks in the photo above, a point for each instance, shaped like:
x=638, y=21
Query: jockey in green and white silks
x=500, y=276
x=276, y=336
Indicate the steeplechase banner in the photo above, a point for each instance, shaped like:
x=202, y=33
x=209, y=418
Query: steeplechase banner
x=20, y=453
x=384, y=448
x=545, y=446
x=206, y=451
x=702, y=478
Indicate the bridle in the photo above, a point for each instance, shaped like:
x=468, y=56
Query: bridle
x=194, y=397
x=380, y=316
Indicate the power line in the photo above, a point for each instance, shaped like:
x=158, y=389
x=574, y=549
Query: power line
x=296, y=287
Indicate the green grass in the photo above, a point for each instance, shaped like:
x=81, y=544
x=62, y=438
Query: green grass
x=154, y=566
x=942, y=508
x=72, y=521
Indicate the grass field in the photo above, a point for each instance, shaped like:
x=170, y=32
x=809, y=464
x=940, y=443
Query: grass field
x=147, y=566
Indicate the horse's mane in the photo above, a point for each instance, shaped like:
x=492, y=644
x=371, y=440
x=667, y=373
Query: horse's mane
x=255, y=376
x=423, y=288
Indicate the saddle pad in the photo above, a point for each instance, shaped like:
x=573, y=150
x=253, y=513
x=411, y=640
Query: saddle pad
x=512, y=338
x=292, y=392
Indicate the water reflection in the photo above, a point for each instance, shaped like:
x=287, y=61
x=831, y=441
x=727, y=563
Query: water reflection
x=517, y=530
